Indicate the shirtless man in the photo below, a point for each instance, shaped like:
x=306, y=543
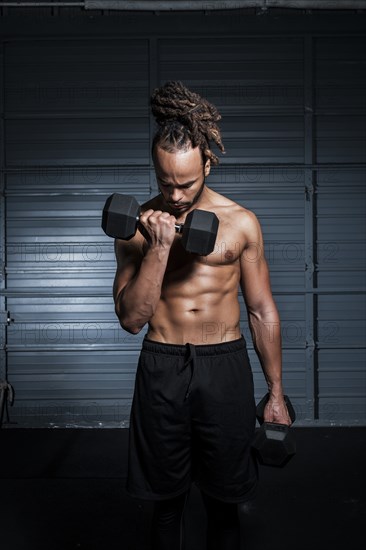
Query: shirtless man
x=193, y=412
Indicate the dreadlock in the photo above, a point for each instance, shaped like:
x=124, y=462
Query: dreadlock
x=185, y=120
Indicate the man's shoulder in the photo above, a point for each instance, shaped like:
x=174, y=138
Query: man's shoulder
x=228, y=209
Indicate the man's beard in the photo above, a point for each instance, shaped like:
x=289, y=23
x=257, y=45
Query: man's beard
x=188, y=205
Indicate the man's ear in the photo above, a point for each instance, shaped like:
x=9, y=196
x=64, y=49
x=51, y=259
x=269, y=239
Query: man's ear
x=207, y=167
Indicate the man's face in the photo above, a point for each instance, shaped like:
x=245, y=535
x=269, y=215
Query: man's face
x=181, y=177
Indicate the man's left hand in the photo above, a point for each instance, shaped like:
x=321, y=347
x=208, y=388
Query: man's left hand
x=276, y=411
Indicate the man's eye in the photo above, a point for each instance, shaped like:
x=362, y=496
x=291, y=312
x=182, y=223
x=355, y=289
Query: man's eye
x=166, y=186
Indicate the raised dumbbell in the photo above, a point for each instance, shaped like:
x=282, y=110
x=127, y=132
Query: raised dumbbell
x=274, y=443
x=121, y=215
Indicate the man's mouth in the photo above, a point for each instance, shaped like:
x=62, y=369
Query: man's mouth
x=178, y=206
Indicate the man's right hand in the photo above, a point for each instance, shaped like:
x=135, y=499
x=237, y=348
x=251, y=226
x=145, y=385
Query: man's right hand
x=158, y=228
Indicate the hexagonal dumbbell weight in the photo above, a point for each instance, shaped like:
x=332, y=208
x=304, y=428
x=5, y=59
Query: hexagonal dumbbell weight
x=274, y=443
x=121, y=217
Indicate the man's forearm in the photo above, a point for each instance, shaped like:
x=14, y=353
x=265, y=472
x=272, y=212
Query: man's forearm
x=266, y=334
x=137, y=302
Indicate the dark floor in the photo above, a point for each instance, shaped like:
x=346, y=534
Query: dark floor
x=64, y=490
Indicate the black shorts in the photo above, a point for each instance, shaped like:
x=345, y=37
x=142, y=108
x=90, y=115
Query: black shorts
x=192, y=419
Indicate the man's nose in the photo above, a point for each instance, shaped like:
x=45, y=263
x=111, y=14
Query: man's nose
x=175, y=195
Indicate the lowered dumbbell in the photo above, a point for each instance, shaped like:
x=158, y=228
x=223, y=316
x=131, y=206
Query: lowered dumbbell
x=121, y=215
x=274, y=443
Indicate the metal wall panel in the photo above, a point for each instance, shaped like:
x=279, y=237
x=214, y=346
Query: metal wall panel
x=340, y=67
x=77, y=128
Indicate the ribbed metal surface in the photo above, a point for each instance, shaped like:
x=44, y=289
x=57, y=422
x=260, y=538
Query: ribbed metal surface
x=71, y=105
x=77, y=129
x=341, y=228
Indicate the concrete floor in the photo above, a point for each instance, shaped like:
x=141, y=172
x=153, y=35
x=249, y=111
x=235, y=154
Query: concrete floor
x=63, y=489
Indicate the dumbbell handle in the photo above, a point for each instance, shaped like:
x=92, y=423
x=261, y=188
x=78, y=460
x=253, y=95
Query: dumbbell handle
x=178, y=226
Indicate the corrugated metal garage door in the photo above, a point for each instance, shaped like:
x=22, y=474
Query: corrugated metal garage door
x=339, y=209
x=77, y=127
x=77, y=117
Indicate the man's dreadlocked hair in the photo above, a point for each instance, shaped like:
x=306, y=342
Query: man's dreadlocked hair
x=185, y=120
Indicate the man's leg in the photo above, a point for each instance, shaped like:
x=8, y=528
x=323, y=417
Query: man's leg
x=167, y=523
x=223, y=526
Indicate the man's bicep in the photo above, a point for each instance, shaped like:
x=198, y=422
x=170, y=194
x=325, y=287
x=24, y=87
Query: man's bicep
x=254, y=280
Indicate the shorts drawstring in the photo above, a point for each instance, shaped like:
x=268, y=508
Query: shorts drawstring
x=190, y=360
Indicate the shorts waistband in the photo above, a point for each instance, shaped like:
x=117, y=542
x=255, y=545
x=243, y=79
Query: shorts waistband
x=200, y=350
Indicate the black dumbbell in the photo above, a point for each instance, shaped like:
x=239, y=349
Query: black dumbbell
x=274, y=443
x=121, y=216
